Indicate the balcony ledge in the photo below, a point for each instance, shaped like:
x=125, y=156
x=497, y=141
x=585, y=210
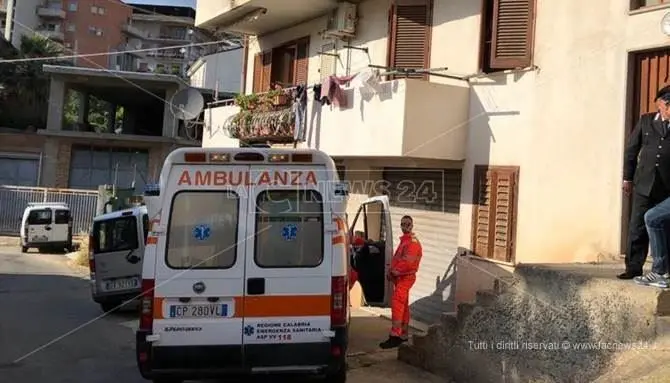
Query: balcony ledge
x=402, y=118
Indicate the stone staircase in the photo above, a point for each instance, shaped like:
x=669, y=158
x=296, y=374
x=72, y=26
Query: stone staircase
x=541, y=325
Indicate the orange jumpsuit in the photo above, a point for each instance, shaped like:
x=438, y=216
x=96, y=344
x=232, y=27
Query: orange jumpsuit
x=405, y=264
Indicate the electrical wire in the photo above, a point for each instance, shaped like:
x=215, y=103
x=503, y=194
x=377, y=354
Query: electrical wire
x=114, y=53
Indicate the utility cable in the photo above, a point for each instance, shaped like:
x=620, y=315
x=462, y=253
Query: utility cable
x=114, y=53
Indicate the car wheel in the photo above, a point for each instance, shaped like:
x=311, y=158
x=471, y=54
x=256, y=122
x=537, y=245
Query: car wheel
x=24, y=249
x=109, y=307
x=340, y=376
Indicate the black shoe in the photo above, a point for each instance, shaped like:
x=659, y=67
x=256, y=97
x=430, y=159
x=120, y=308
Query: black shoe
x=391, y=342
x=629, y=274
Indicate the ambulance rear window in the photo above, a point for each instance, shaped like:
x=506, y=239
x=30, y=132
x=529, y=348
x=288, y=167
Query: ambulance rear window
x=202, y=230
x=289, y=229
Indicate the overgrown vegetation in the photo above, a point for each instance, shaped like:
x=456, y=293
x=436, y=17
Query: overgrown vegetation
x=24, y=92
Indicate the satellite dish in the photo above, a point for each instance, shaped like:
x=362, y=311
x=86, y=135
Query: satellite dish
x=187, y=104
x=665, y=24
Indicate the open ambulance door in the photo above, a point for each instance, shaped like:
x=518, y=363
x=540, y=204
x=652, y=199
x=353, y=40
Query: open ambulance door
x=373, y=222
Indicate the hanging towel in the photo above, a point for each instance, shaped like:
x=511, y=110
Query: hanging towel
x=331, y=90
x=300, y=110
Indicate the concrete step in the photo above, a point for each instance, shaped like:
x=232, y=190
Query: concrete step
x=486, y=298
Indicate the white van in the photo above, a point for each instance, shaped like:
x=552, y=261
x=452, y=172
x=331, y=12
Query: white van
x=245, y=270
x=115, y=252
x=45, y=226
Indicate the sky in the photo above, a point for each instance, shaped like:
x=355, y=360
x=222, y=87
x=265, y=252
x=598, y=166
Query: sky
x=187, y=3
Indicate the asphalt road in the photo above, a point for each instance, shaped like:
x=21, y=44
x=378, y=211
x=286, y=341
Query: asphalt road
x=52, y=332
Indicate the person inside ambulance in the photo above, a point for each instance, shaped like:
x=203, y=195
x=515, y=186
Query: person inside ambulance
x=402, y=273
x=357, y=244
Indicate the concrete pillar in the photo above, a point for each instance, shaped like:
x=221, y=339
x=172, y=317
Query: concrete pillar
x=170, y=123
x=57, y=92
x=111, y=120
x=83, y=108
x=49, y=169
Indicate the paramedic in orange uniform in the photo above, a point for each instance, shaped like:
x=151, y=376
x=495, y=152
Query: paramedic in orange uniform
x=402, y=273
x=357, y=243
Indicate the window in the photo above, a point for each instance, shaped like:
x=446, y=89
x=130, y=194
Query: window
x=51, y=27
x=72, y=7
x=494, y=212
x=94, y=9
x=62, y=216
x=328, y=61
x=200, y=237
x=71, y=27
x=101, y=11
x=285, y=65
x=39, y=217
x=410, y=30
x=507, y=35
x=289, y=229
x=118, y=234
x=145, y=226
x=636, y=4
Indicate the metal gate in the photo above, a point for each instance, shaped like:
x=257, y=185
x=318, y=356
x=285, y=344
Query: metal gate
x=14, y=199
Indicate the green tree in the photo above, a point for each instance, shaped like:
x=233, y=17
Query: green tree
x=25, y=94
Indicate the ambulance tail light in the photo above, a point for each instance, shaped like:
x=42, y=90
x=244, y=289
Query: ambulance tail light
x=339, y=301
x=147, y=305
x=195, y=157
x=91, y=257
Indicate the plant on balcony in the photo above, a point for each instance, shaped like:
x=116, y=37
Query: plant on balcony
x=266, y=116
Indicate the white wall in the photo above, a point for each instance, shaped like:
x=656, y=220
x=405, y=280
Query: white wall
x=25, y=19
x=223, y=69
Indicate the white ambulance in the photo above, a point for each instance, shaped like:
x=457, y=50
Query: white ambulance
x=245, y=269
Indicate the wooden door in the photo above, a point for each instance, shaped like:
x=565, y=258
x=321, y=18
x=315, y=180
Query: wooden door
x=651, y=72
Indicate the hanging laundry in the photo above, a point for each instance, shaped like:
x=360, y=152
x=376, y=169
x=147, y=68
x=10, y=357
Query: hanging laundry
x=317, y=92
x=367, y=81
x=331, y=91
x=300, y=110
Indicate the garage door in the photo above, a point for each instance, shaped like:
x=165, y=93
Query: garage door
x=432, y=198
x=92, y=167
x=19, y=170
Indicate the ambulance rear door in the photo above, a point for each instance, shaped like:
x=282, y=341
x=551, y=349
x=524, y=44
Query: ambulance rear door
x=288, y=268
x=200, y=274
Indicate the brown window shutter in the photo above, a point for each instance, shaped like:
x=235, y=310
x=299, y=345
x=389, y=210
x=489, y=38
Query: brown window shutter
x=267, y=71
x=512, y=43
x=494, y=212
x=258, y=72
x=302, y=63
x=410, y=29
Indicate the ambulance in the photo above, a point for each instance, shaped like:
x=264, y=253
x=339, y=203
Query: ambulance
x=245, y=267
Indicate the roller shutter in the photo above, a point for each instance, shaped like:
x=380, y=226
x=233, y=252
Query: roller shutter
x=432, y=198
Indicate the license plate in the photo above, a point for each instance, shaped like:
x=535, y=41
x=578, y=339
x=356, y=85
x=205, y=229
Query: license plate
x=198, y=311
x=39, y=238
x=121, y=284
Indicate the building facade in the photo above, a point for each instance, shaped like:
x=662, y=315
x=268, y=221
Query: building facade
x=524, y=132
x=160, y=27
x=80, y=26
x=221, y=71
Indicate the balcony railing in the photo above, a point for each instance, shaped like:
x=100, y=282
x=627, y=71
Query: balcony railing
x=134, y=31
x=53, y=35
x=264, y=117
x=51, y=12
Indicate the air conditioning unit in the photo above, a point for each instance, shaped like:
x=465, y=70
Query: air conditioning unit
x=342, y=22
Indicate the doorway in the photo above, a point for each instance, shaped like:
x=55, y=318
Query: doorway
x=650, y=71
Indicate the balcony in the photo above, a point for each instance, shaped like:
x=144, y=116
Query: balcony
x=53, y=35
x=258, y=17
x=134, y=31
x=51, y=12
x=410, y=118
